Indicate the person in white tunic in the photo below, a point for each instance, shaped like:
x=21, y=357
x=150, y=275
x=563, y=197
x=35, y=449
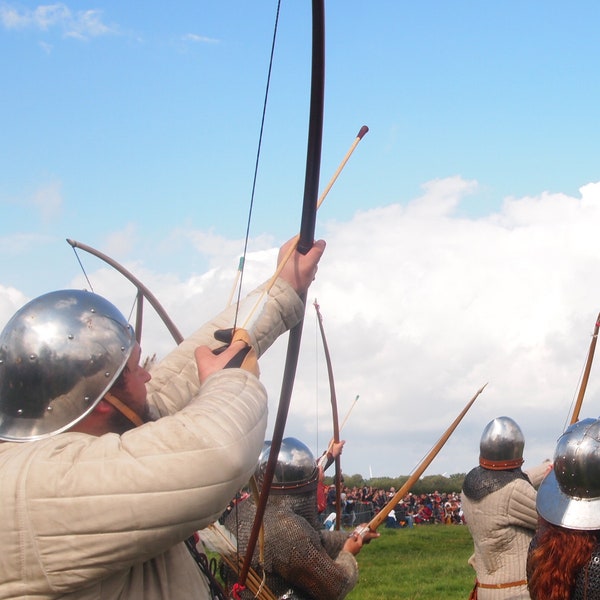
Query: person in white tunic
x=498, y=501
x=107, y=469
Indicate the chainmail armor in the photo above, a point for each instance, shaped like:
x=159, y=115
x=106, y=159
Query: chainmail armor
x=481, y=482
x=302, y=560
x=587, y=583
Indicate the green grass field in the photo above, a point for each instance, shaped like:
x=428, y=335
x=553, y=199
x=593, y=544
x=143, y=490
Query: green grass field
x=427, y=562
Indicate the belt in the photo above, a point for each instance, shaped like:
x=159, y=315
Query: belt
x=499, y=586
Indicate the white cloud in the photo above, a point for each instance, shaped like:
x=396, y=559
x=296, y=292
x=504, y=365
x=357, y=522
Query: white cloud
x=88, y=24
x=220, y=250
x=421, y=307
x=120, y=243
x=10, y=301
x=82, y=24
x=424, y=307
x=199, y=39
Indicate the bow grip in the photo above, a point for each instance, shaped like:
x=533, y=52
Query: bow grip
x=225, y=336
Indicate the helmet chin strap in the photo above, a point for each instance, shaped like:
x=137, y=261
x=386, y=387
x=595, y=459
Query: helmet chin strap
x=127, y=412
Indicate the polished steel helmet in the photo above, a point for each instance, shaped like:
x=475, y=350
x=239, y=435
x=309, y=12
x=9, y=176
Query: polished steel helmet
x=296, y=469
x=59, y=354
x=501, y=445
x=569, y=496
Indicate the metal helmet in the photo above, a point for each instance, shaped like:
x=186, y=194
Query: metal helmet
x=569, y=495
x=501, y=445
x=296, y=470
x=59, y=354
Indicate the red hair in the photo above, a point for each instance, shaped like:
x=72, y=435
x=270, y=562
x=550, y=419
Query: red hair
x=555, y=558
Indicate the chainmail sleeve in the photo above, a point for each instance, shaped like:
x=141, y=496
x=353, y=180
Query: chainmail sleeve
x=333, y=541
x=301, y=561
x=304, y=561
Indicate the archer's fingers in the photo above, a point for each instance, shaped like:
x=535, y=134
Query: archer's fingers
x=208, y=363
x=301, y=269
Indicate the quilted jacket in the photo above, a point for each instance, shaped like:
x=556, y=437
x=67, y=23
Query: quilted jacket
x=105, y=517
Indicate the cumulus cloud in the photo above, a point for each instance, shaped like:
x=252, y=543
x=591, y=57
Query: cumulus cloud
x=422, y=305
x=11, y=300
x=219, y=249
x=120, y=243
x=81, y=24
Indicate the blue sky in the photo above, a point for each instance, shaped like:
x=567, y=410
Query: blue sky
x=134, y=129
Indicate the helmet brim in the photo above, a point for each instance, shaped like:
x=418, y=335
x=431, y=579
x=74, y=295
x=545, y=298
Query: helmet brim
x=558, y=508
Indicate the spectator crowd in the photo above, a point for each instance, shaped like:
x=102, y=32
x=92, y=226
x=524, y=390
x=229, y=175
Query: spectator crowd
x=360, y=505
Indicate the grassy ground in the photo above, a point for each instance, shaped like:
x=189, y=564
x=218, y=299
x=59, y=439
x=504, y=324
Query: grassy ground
x=427, y=562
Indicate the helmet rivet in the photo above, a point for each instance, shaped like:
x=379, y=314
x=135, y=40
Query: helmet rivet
x=107, y=374
x=49, y=409
x=20, y=411
x=71, y=336
x=33, y=357
x=93, y=310
x=87, y=399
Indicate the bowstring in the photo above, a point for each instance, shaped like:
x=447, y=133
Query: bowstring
x=260, y=137
x=135, y=299
x=83, y=269
x=317, y=382
x=252, y=195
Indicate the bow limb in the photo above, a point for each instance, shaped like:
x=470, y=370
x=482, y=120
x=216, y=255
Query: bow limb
x=380, y=517
x=305, y=243
x=336, y=427
x=142, y=292
x=315, y=129
x=586, y=374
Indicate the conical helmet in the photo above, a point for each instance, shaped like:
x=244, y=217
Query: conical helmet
x=296, y=469
x=569, y=495
x=59, y=354
x=501, y=445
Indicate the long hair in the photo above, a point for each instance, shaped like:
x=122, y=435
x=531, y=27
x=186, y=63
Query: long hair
x=555, y=558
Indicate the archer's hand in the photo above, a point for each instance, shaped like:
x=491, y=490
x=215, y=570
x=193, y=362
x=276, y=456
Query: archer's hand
x=208, y=363
x=335, y=449
x=355, y=541
x=301, y=269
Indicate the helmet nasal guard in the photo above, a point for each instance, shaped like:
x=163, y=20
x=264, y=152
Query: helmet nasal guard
x=59, y=354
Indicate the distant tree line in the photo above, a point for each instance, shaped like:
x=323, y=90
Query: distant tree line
x=426, y=485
